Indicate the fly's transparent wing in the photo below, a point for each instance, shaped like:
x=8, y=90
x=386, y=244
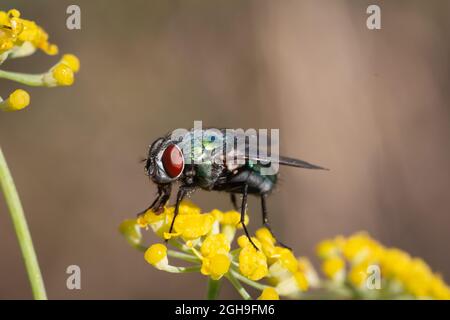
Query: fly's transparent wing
x=236, y=147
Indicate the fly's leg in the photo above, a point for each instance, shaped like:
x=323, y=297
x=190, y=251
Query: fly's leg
x=161, y=199
x=234, y=201
x=180, y=195
x=158, y=207
x=243, y=208
x=152, y=205
x=265, y=219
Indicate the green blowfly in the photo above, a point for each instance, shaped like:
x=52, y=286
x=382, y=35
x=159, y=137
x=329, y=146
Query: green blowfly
x=227, y=160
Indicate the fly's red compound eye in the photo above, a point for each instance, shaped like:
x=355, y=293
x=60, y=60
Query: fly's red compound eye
x=173, y=161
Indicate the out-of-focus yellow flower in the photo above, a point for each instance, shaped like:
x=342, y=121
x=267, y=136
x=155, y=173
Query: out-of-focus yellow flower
x=359, y=247
x=305, y=266
x=131, y=231
x=438, y=289
x=156, y=255
x=334, y=268
x=269, y=293
x=406, y=275
x=287, y=259
x=358, y=275
x=286, y=273
x=215, y=266
x=18, y=100
x=302, y=282
x=394, y=262
x=293, y=285
x=327, y=248
x=252, y=262
x=283, y=265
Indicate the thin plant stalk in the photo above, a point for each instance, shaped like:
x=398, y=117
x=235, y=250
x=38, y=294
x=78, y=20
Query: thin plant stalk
x=237, y=285
x=213, y=288
x=21, y=228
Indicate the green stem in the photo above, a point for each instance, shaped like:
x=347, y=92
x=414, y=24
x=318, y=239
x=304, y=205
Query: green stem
x=172, y=253
x=22, y=231
x=183, y=256
x=237, y=285
x=246, y=280
x=173, y=269
x=213, y=288
x=35, y=80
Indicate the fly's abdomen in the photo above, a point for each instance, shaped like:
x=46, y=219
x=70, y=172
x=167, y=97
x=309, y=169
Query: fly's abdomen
x=259, y=183
x=256, y=182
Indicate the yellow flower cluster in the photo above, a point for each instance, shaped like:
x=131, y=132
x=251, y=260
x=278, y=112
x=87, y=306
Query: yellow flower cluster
x=348, y=262
x=207, y=239
x=15, y=31
x=21, y=38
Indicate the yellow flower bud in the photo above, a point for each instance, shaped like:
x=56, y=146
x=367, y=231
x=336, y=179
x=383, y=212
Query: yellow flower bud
x=215, y=244
x=252, y=263
x=215, y=266
x=286, y=258
x=233, y=218
x=156, y=254
x=244, y=242
x=71, y=61
x=217, y=214
x=63, y=75
x=18, y=100
x=269, y=293
x=193, y=226
x=159, y=223
x=264, y=235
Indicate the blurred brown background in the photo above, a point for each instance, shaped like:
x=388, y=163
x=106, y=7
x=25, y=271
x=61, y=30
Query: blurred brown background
x=371, y=105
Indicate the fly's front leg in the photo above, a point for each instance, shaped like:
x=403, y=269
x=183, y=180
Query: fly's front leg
x=166, y=190
x=182, y=191
x=161, y=199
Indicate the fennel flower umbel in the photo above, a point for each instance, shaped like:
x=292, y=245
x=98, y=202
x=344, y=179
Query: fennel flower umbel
x=21, y=38
x=207, y=241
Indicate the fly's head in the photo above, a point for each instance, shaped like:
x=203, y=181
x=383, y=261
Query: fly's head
x=165, y=161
